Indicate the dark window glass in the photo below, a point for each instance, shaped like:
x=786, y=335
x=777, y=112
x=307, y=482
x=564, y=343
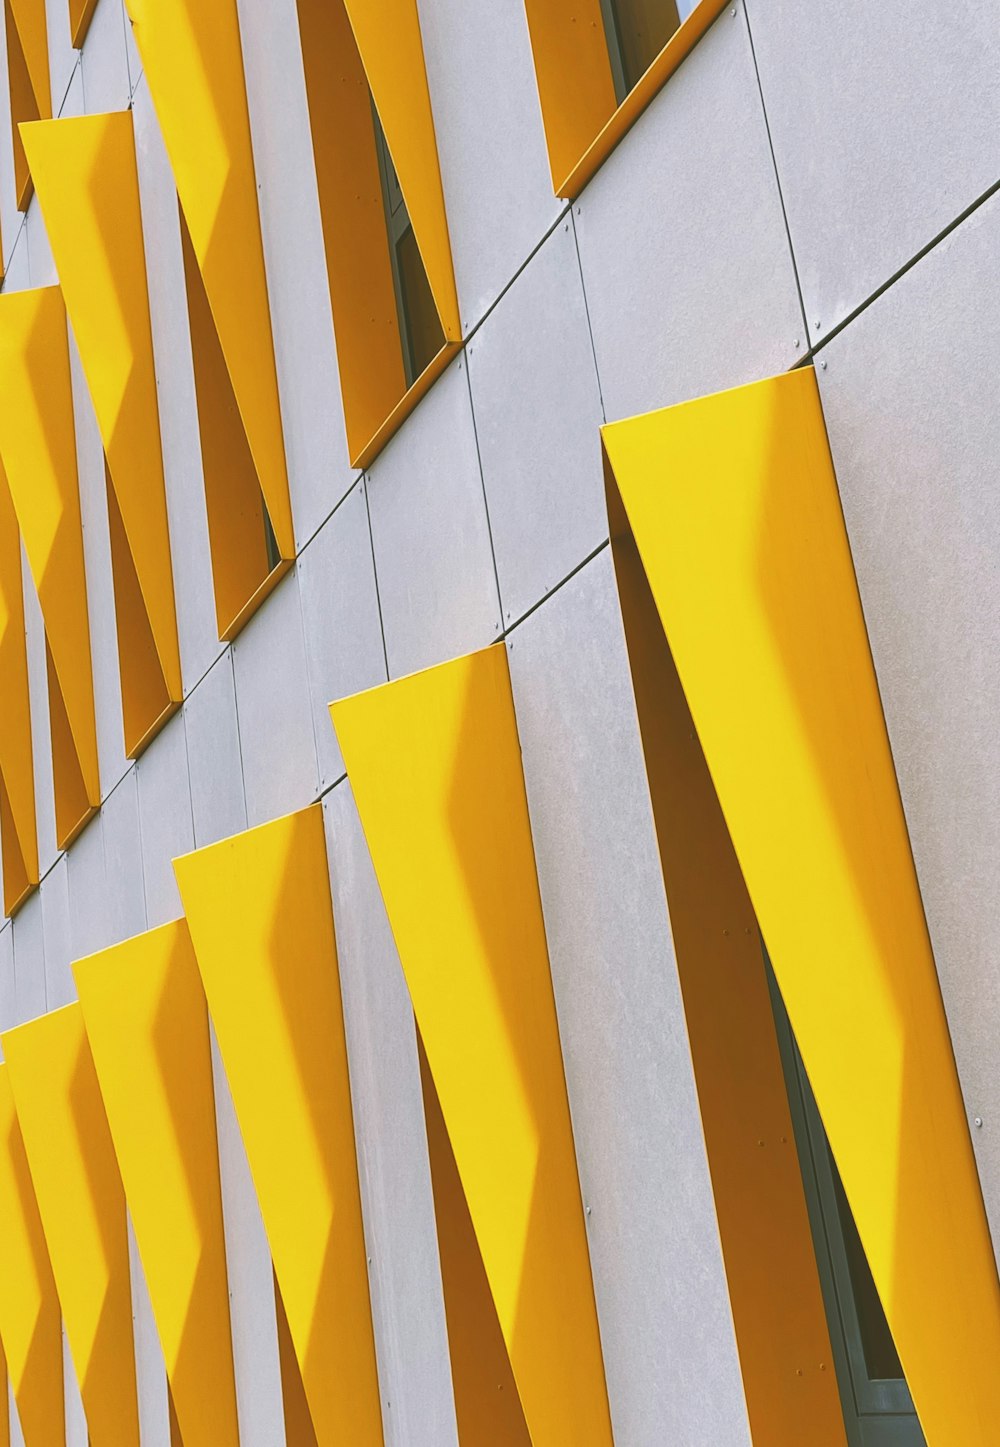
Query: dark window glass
x=637, y=31
x=420, y=331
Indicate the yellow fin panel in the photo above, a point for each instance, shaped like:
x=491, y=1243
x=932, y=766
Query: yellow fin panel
x=392, y=53
x=38, y=450
x=734, y=507
x=261, y=920
x=18, y=832
x=435, y=765
x=81, y=12
x=146, y=1019
x=29, y=1308
x=192, y=58
x=32, y=30
x=82, y=1207
x=84, y=170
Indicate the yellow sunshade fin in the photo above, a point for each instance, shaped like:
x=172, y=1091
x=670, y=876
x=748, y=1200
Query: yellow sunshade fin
x=192, y=58
x=82, y=1208
x=38, y=451
x=18, y=830
x=261, y=920
x=32, y=31
x=392, y=52
x=576, y=90
x=435, y=765
x=29, y=1308
x=85, y=175
x=147, y=1023
x=733, y=504
x=81, y=12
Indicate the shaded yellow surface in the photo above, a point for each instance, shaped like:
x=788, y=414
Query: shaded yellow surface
x=435, y=765
x=18, y=831
x=82, y=1208
x=29, y=1308
x=147, y=1023
x=734, y=507
x=38, y=450
x=261, y=920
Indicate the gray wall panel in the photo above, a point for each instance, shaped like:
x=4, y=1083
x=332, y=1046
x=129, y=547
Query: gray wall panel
x=41, y=264
x=685, y=256
x=165, y=819
x=8, y=993
x=76, y=1420
x=494, y=165
x=886, y=127
x=126, y=903
x=131, y=52
x=430, y=532
x=910, y=397
x=538, y=409
x=29, y=960
x=340, y=615
x=192, y=563
x=319, y=469
x=104, y=62
x=216, y=772
x=405, y=1271
x=658, y=1271
x=60, y=988
x=10, y=217
x=100, y=581
x=150, y=1370
x=277, y=742
x=62, y=56
x=89, y=917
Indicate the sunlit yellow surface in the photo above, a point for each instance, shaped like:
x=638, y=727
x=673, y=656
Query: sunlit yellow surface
x=85, y=176
x=38, y=450
x=82, y=1207
x=258, y=907
x=193, y=61
x=734, y=507
x=435, y=766
x=29, y=1307
x=147, y=1023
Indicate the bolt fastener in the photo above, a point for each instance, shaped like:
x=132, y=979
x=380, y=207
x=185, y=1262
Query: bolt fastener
x=979, y=1121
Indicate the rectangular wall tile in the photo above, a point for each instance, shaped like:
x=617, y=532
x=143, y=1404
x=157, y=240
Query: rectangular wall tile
x=126, y=903
x=165, y=819
x=54, y=891
x=216, y=771
x=29, y=960
x=104, y=61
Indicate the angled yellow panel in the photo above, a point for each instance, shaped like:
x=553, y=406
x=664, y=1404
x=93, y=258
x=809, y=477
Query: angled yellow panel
x=392, y=53
x=193, y=61
x=259, y=911
x=435, y=765
x=733, y=505
x=81, y=12
x=38, y=451
x=18, y=832
x=29, y=1308
x=28, y=80
x=147, y=1023
x=82, y=1208
x=29, y=17
x=85, y=176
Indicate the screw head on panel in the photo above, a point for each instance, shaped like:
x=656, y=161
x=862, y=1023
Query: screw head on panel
x=979, y=1122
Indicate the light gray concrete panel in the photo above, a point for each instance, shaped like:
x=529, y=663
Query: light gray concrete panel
x=277, y=742
x=253, y=1319
x=494, y=163
x=60, y=988
x=131, y=52
x=407, y=1299
x=319, y=469
x=76, y=1419
x=150, y=1369
x=104, y=61
x=62, y=56
x=41, y=264
x=165, y=819
x=666, y=1325
x=16, y=276
x=100, y=580
x=885, y=121
x=430, y=531
x=41, y=741
x=538, y=410
x=187, y=517
x=216, y=772
x=16, y=1434
x=29, y=960
x=73, y=102
x=8, y=993
x=340, y=614
x=685, y=256
x=910, y=397
x=126, y=904
x=89, y=915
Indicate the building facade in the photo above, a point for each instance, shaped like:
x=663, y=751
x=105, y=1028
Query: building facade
x=499, y=798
